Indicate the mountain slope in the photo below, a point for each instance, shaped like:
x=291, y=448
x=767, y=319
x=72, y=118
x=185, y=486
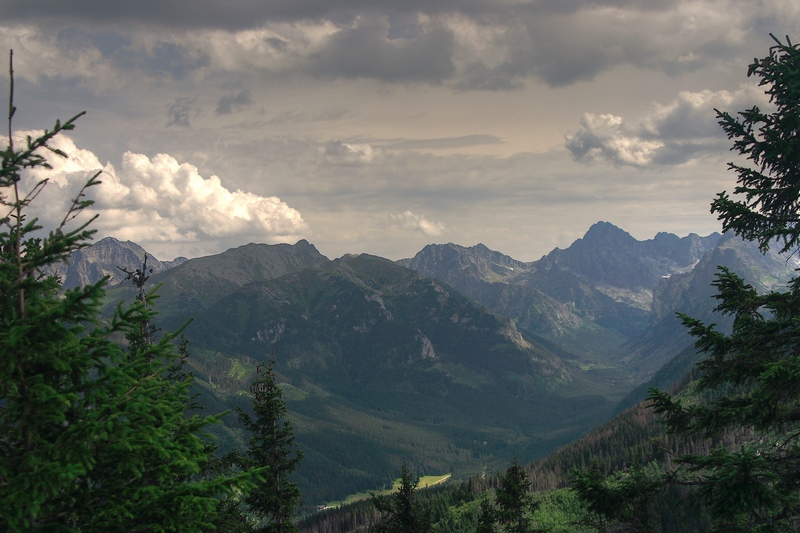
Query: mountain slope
x=199, y=283
x=378, y=364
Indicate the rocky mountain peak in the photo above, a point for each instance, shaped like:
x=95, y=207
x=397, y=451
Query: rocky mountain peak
x=607, y=234
x=457, y=265
x=105, y=258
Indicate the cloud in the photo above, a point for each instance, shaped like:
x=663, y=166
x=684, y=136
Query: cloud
x=44, y=55
x=419, y=223
x=232, y=102
x=160, y=202
x=211, y=14
x=575, y=42
x=607, y=137
x=367, y=51
x=338, y=152
x=480, y=45
x=365, y=110
x=180, y=111
x=671, y=134
x=443, y=143
x=300, y=117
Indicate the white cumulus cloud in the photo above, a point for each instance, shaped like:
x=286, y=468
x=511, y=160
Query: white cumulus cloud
x=162, y=204
x=607, y=137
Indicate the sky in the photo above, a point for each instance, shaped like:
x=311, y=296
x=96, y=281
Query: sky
x=383, y=126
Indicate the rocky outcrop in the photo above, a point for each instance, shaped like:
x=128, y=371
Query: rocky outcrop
x=105, y=258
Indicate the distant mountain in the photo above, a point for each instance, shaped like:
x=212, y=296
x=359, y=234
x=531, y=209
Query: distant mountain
x=496, y=281
x=105, y=258
x=692, y=294
x=594, y=296
x=611, y=259
x=196, y=284
x=378, y=364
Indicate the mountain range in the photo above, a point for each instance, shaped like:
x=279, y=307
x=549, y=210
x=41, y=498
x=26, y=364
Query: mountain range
x=594, y=296
x=454, y=360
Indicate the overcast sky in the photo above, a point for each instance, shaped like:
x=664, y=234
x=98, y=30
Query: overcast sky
x=382, y=126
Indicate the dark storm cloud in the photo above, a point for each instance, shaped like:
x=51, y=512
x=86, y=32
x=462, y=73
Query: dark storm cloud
x=365, y=52
x=241, y=14
x=564, y=66
x=556, y=66
x=232, y=14
x=168, y=58
x=233, y=102
x=562, y=51
x=165, y=58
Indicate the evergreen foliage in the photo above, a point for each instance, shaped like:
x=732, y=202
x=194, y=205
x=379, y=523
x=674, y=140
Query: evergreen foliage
x=515, y=503
x=752, y=376
x=769, y=208
x=622, y=501
x=487, y=521
x=274, y=498
x=402, y=512
x=93, y=437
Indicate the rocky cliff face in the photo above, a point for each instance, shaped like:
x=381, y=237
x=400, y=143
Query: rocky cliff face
x=105, y=258
x=463, y=267
x=613, y=262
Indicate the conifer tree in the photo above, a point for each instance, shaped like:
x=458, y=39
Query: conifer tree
x=402, y=512
x=487, y=519
x=752, y=376
x=767, y=208
x=274, y=498
x=623, y=501
x=92, y=438
x=515, y=503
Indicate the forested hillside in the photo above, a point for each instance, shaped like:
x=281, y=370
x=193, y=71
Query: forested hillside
x=377, y=364
x=634, y=437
